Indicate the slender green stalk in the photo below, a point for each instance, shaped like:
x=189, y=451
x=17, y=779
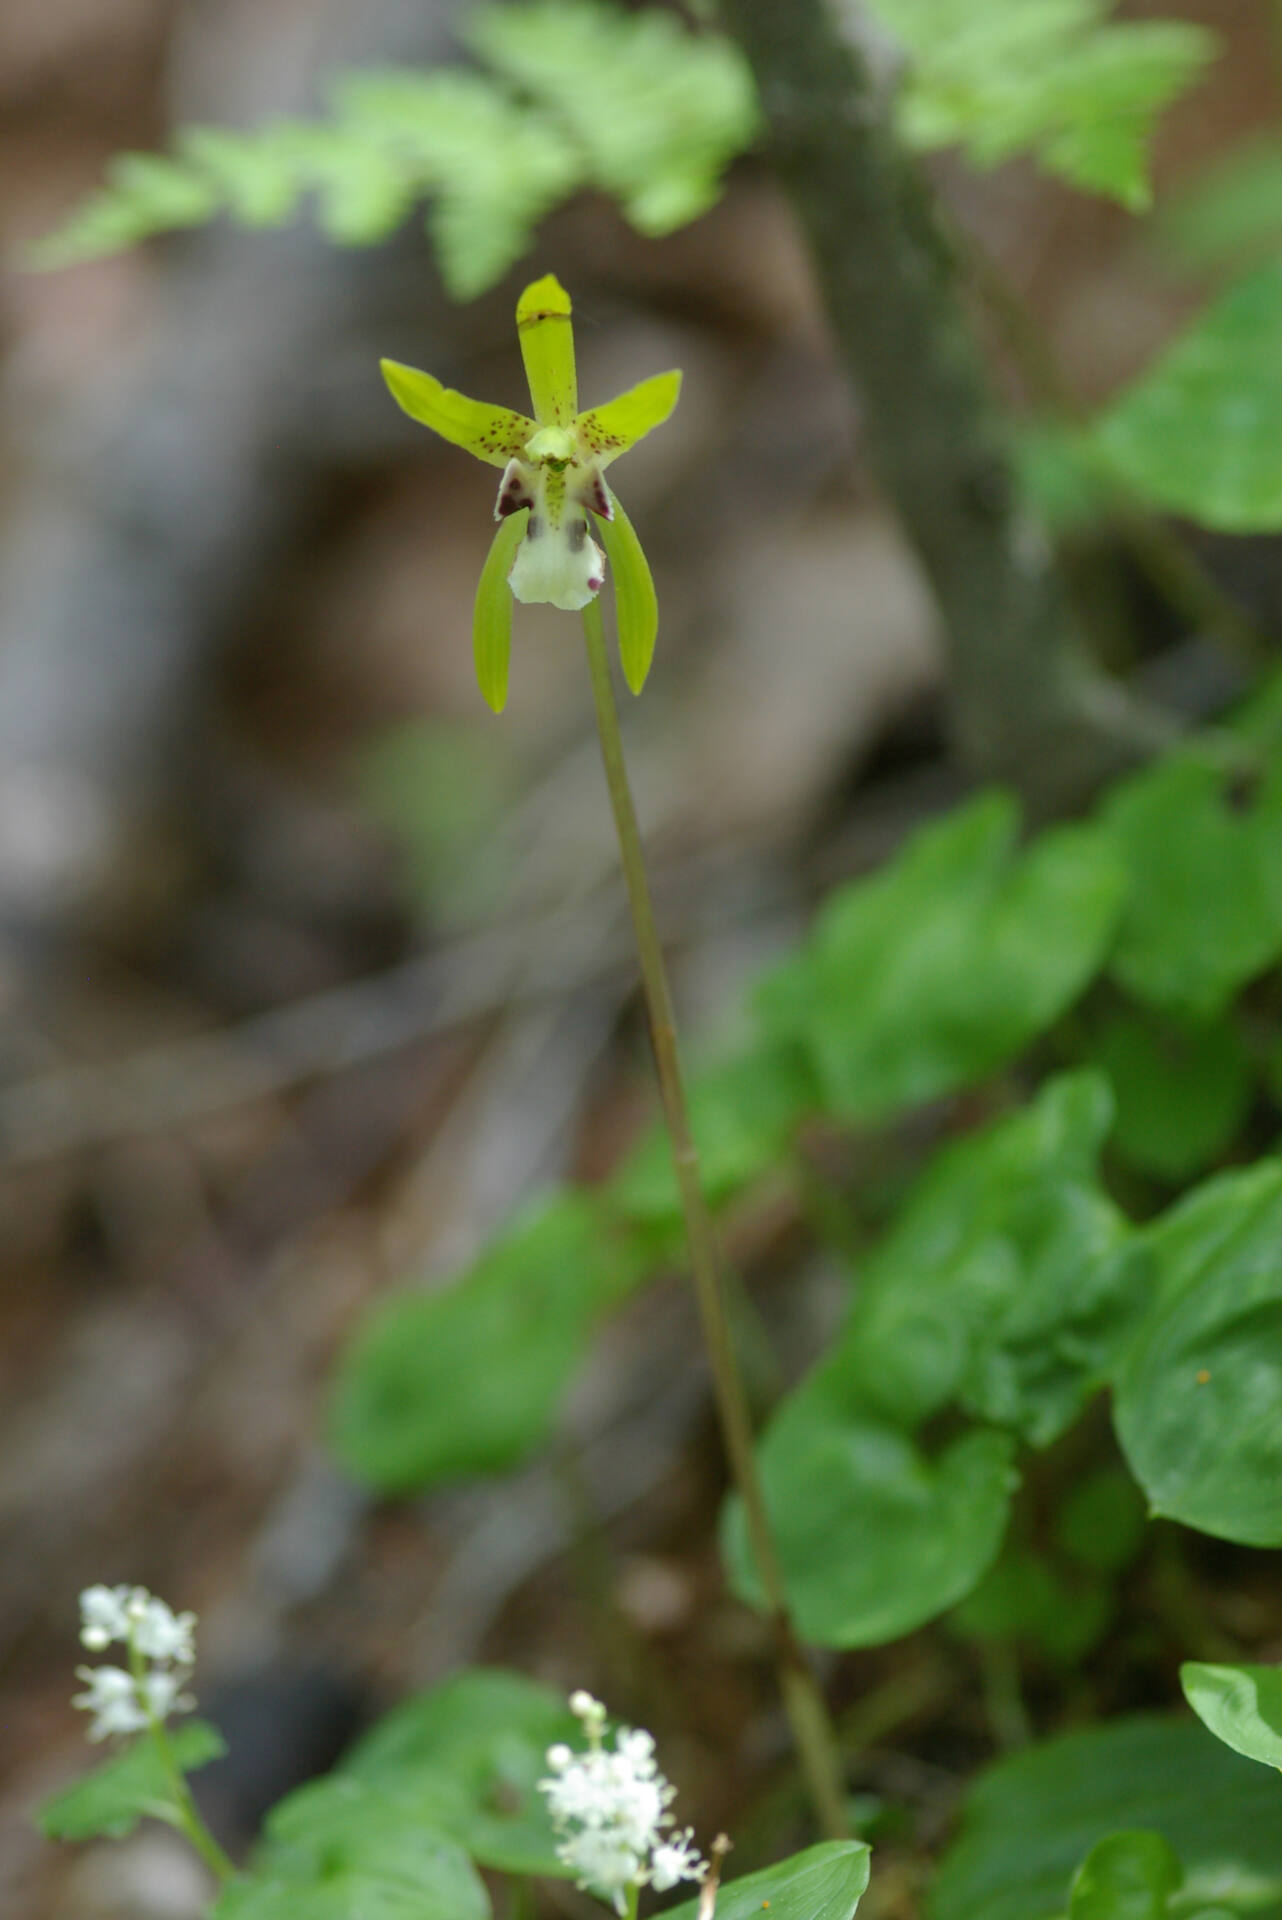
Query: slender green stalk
x=812, y=1729
x=186, y=1817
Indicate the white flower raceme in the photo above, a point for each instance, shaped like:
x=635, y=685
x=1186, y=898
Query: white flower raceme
x=161, y=1650
x=610, y=1809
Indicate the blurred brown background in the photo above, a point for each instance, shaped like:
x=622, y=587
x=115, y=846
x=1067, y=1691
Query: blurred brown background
x=310, y=969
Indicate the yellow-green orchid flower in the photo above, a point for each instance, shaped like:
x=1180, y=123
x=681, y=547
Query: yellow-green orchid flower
x=553, y=488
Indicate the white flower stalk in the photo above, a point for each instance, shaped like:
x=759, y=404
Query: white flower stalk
x=610, y=1807
x=161, y=1651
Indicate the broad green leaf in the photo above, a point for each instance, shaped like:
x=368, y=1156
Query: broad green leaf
x=1182, y=1088
x=369, y=1858
x=742, y=1114
x=1030, y=1818
x=1198, y=1397
x=492, y=612
x=874, y=1536
x=545, y=330
x=1203, y=908
x=934, y=971
x=1128, y=1876
x=820, y=1883
x=657, y=112
x=492, y=434
x=467, y=1379
x=1007, y=1284
x=1200, y=432
x=1055, y=79
x=612, y=428
x=1242, y=1705
x=117, y=1795
x=636, y=605
x=471, y=1752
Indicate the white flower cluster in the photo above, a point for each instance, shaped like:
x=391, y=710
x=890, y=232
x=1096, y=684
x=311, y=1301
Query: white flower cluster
x=610, y=1809
x=161, y=1653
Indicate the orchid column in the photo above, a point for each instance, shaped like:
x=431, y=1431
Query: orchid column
x=553, y=503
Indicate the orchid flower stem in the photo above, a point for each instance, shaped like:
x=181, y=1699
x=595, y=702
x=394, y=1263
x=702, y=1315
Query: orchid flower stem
x=185, y=1816
x=803, y=1701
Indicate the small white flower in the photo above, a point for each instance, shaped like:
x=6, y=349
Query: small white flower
x=610, y=1809
x=676, y=1858
x=103, y=1616
x=585, y=1708
x=161, y=1647
x=160, y=1634
x=112, y=1697
x=602, y=1864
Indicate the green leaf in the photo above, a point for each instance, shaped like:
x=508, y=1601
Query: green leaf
x=1200, y=432
x=820, y=1883
x=1128, y=1876
x=470, y=1753
x=947, y=962
x=467, y=1379
x=1032, y=1817
x=1242, y=1706
x=636, y=605
x=117, y=1795
x=873, y=1536
x=258, y=179
x=633, y=104
x=656, y=111
x=1051, y=78
x=1007, y=1284
x=742, y=1113
x=1198, y=1398
x=1182, y=1088
x=369, y=1857
x=1203, y=906
x=491, y=166
x=145, y=194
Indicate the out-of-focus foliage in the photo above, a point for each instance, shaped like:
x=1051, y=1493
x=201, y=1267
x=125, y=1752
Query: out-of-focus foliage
x=372, y=1857
x=1200, y=433
x=129, y=1787
x=1030, y=1820
x=577, y=94
x=1230, y=216
x=1056, y=79
x=463, y=1759
x=1011, y=1288
x=415, y=1407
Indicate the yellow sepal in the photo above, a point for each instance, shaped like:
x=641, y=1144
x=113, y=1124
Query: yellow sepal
x=607, y=431
x=492, y=614
x=636, y=606
x=546, y=335
x=494, y=434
